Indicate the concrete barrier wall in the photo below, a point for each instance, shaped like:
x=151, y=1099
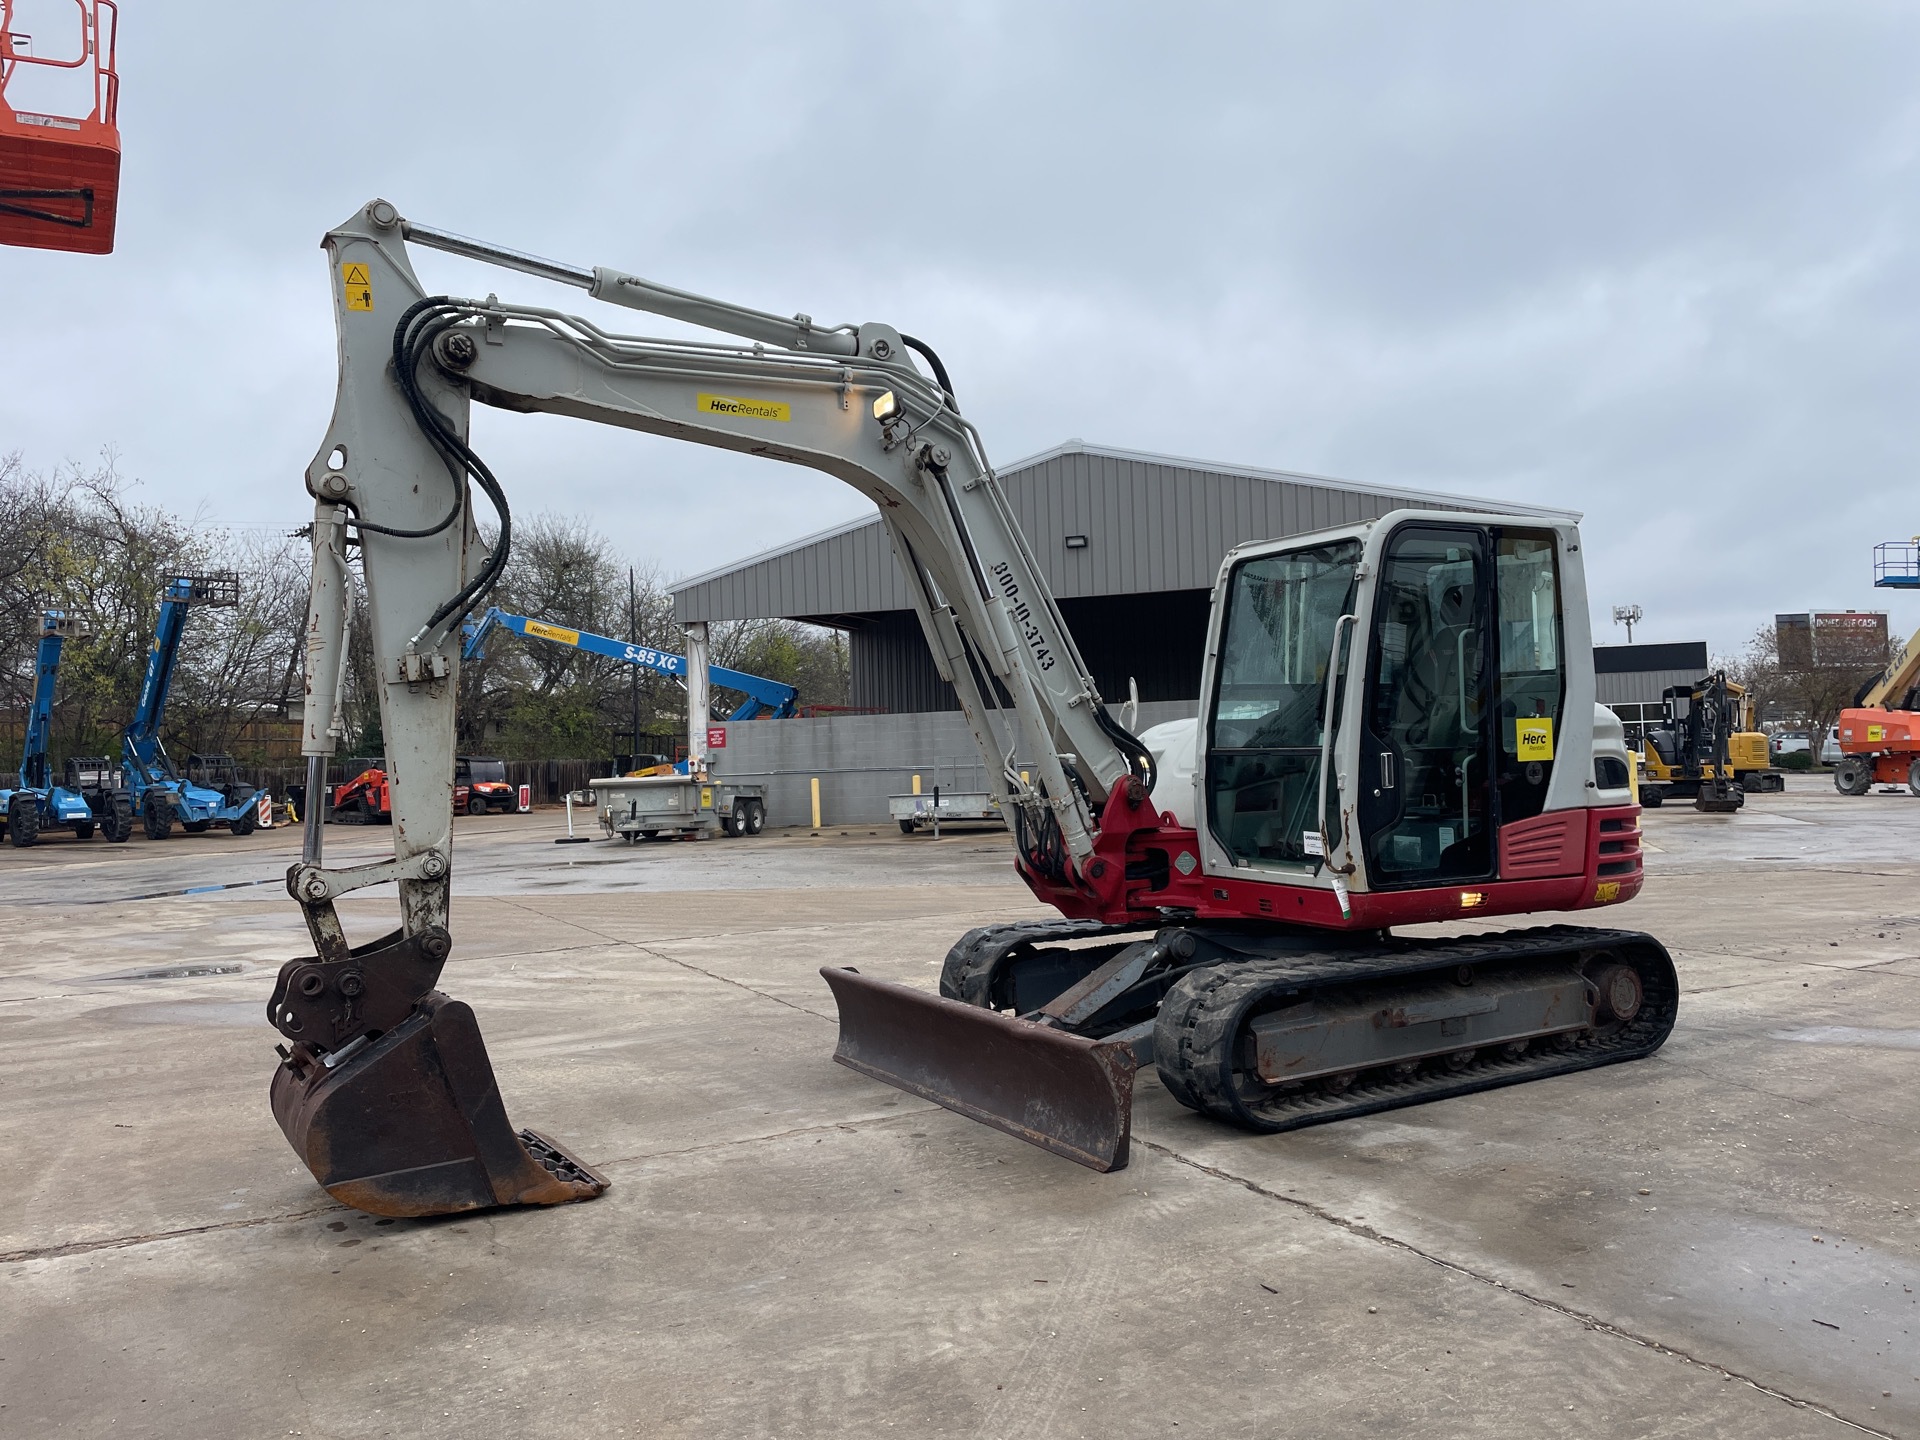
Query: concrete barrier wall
x=860, y=760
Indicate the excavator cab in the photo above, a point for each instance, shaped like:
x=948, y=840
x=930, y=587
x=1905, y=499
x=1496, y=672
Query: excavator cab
x=1391, y=706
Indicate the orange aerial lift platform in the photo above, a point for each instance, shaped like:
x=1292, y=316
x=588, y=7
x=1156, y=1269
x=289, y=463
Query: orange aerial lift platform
x=59, y=142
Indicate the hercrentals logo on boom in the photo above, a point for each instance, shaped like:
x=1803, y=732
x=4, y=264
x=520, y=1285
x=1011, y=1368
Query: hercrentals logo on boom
x=1022, y=614
x=743, y=408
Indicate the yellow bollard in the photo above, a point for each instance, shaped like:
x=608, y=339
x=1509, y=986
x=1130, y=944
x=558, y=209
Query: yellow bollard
x=814, y=785
x=916, y=784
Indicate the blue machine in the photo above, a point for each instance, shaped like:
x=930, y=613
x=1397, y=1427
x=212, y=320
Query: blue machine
x=210, y=793
x=89, y=794
x=770, y=698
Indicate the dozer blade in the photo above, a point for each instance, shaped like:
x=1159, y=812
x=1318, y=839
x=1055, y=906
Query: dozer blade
x=412, y=1124
x=1062, y=1092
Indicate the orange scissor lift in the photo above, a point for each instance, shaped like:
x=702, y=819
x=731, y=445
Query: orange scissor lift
x=59, y=145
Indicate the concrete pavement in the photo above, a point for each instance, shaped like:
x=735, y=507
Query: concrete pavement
x=1722, y=1239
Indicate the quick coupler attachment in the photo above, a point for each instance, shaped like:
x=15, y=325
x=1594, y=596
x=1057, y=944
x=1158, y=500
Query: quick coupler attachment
x=395, y=1111
x=1063, y=1092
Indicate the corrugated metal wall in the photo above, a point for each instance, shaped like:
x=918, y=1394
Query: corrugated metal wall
x=1152, y=524
x=1644, y=687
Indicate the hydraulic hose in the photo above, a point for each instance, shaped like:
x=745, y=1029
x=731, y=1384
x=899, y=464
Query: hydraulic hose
x=411, y=337
x=939, y=370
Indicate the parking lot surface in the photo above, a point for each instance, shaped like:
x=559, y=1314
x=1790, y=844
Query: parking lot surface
x=1721, y=1240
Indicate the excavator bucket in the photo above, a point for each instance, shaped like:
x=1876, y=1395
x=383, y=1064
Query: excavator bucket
x=1065, y=1093
x=412, y=1124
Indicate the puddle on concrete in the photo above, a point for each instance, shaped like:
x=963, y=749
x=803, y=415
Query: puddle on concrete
x=190, y=1012
x=157, y=894
x=1851, y=1035
x=171, y=972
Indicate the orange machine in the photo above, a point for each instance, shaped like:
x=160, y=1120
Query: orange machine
x=1880, y=734
x=59, y=146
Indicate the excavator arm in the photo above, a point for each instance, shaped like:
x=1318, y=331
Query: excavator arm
x=385, y=1090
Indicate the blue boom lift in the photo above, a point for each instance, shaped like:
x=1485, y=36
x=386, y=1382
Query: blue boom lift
x=210, y=793
x=769, y=698
x=91, y=793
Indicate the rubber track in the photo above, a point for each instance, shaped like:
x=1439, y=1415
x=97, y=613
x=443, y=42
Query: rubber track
x=1202, y=1017
x=977, y=956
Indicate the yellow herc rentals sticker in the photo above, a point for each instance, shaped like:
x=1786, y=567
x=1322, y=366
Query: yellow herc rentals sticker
x=743, y=408
x=353, y=278
x=706, y=797
x=553, y=632
x=1606, y=890
x=1876, y=732
x=1533, y=737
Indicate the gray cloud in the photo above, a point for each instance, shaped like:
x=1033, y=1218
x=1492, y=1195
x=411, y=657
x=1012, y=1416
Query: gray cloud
x=1654, y=262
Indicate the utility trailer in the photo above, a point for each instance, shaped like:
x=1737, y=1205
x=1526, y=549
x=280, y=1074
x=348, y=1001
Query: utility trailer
x=645, y=807
x=941, y=807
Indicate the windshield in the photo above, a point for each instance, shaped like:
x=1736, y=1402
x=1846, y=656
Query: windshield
x=1279, y=637
x=1263, y=779
x=483, y=770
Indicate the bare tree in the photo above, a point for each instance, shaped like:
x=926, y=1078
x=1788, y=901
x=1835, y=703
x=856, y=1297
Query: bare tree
x=1813, y=687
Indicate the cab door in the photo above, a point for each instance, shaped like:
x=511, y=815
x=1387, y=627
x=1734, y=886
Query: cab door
x=1424, y=787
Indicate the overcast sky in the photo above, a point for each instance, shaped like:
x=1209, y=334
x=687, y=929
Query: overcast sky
x=1653, y=262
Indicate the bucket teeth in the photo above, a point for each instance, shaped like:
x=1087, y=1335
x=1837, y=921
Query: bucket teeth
x=412, y=1124
x=1065, y=1093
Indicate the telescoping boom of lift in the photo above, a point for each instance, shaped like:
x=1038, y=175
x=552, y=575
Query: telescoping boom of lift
x=210, y=793
x=91, y=791
x=1397, y=726
x=764, y=698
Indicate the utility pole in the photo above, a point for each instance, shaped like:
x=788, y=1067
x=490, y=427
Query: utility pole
x=1627, y=615
x=633, y=638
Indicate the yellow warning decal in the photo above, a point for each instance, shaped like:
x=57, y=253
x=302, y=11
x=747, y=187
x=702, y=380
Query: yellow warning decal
x=744, y=408
x=353, y=279
x=706, y=797
x=1533, y=737
x=553, y=632
x=1606, y=891
x=1876, y=732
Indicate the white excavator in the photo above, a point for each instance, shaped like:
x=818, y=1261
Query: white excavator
x=1397, y=726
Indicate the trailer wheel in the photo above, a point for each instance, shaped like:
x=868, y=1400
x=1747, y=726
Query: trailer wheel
x=756, y=817
x=23, y=821
x=736, y=823
x=907, y=827
x=156, y=816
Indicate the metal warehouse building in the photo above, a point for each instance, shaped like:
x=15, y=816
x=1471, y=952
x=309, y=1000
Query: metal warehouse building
x=1130, y=544
x=1630, y=680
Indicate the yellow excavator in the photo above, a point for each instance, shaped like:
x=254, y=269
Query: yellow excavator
x=1708, y=749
